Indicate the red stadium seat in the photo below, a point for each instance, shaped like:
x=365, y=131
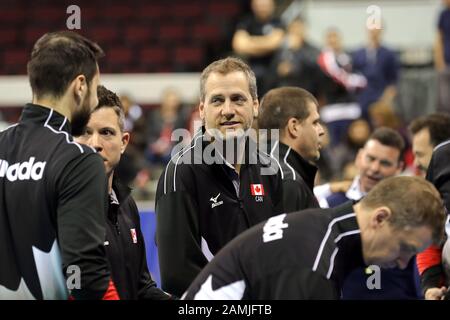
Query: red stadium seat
x=118, y=13
x=13, y=16
x=103, y=34
x=187, y=10
x=32, y=34
x=119, y=55
x=207, y=32
x=153, y=55
x=151, y=12
x=190, y=58
x=50, y=15
x=138, y=34
x=15, y=61
x=224, y=9
x=173, y=32
x=8, y=36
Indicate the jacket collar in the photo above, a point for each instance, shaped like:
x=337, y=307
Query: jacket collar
x=291, y=158
x=205, y=148
x=45, y=116
x=355, y=192
x=122, y=191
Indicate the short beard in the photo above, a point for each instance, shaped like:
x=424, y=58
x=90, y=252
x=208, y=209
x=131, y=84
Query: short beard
x=80, y=118
x=79, y=121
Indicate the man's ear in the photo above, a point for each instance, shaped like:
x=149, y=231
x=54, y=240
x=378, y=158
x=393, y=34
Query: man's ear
x=80, y=87
x=201, y=109
x=358, y=158
x=256, y=106
x=380, y=216
x=292, y=127
x=400, y=167
x=125, y=141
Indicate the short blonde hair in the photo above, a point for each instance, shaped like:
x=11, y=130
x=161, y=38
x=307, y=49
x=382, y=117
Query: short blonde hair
x=226, y=66
x=414, y=202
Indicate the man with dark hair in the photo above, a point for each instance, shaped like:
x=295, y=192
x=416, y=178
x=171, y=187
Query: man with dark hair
x=218, y=186
x=293, y=111
x=308, y=254
x=55, y=185
x=125, y=247
x=434, y=263
x=427, y=132
x=381, y=157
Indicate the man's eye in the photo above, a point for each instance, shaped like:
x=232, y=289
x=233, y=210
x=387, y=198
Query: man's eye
x=238, y=99
x=107, y=132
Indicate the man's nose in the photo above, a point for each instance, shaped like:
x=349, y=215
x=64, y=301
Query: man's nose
x=321, y=131
x=227, y=108
x=375, y=166
x=95, y=142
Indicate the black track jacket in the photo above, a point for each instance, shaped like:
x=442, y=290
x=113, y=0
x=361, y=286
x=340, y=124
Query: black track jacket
x=198, y=209
x=52, y=211
x=302, y=255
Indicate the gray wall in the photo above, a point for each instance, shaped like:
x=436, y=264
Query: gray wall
x=409, y=23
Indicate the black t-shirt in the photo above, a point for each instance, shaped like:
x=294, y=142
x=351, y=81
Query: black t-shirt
x=257, y=28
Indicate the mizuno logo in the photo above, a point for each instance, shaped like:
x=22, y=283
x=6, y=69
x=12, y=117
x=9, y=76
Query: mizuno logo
x=27, y=170
x=214, y=201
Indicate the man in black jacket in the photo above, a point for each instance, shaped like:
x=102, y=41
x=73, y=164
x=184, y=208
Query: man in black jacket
x=293, y=111
x=125, y=247
x=307, y=255
x=218, y=186
x=52, y=189
x=434, y=262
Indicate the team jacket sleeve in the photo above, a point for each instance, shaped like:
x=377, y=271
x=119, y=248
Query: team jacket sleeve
x=429, y=261
x=278, y=197
x=439, y=173
x=81, y=226
x=178, y=236
x=295, y=198
x=296, y=284
x=147, y=288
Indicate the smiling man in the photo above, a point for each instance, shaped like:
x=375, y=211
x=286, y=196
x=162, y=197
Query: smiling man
x=308, y=254
x=211, y=192
x=381, y=157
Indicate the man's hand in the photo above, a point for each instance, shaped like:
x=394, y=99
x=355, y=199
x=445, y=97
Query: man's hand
x=435, y=293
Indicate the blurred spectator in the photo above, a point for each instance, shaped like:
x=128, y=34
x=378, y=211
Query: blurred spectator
x=294, y=63
x=442, y=57
x=257, y=37
x=338, y=86
x=383, y=115
x=325, y=163
x=345, y=152
x=380, y=66
x=162, y=122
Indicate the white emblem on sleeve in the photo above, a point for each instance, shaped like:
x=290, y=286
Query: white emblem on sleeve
x=233, y=291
